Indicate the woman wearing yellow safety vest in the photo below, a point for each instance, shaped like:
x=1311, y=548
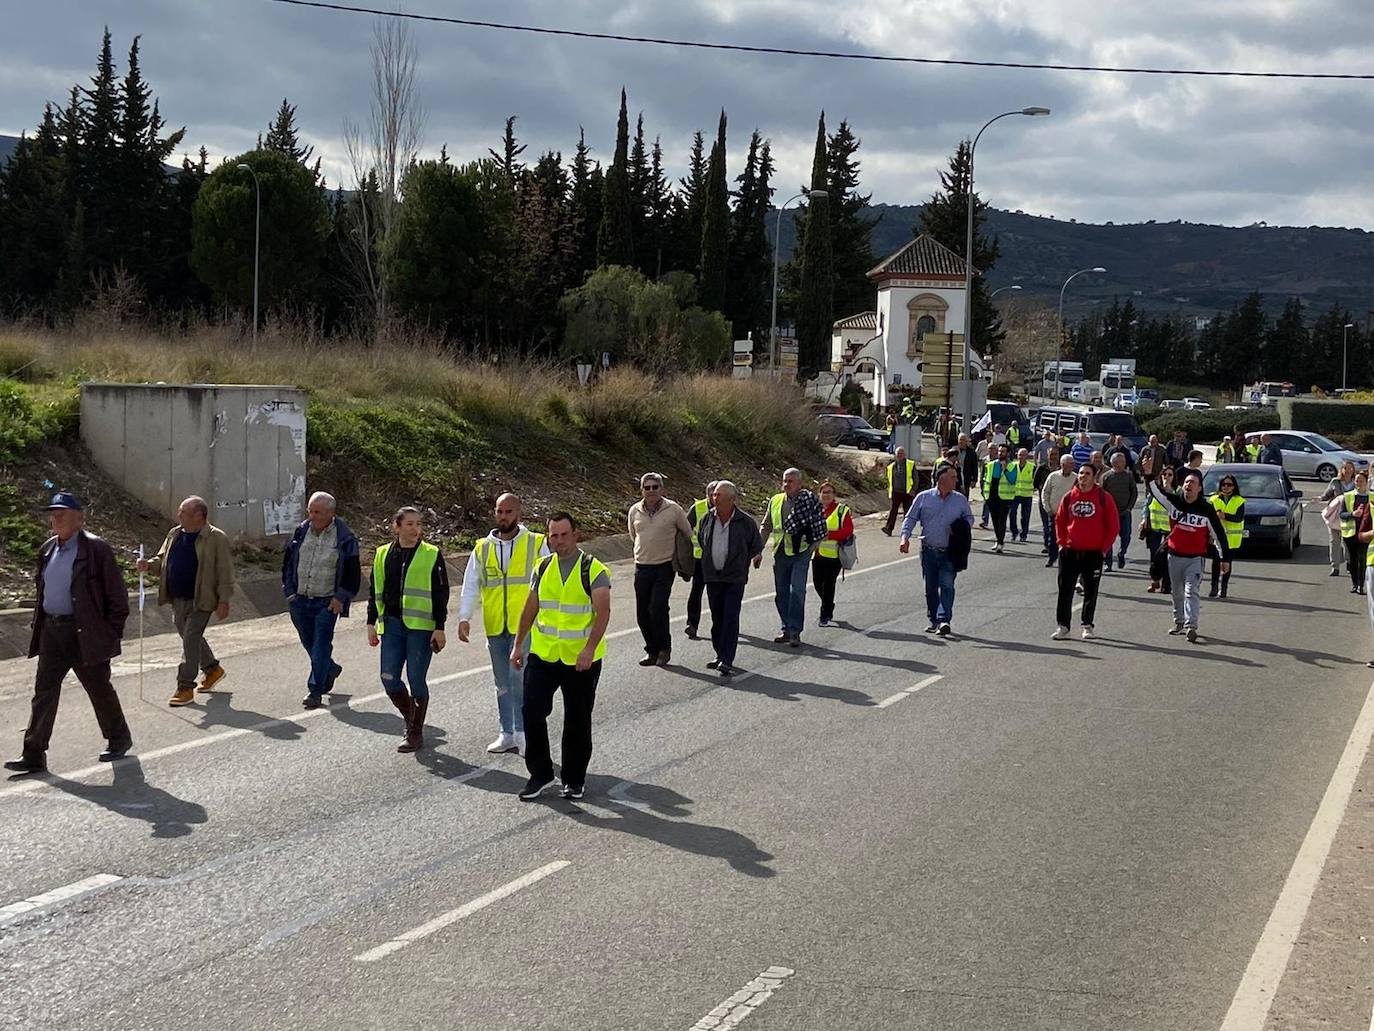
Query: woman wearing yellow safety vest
x=407, y=606
x=1352, y=507
x=1230, y=508
x=1154, y=528
x=825, y=567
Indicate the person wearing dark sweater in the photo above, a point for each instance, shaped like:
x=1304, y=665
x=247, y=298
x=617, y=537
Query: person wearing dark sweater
x=1194, y=528
x=1119, y=482
x=1086, y=526
x=407, y=607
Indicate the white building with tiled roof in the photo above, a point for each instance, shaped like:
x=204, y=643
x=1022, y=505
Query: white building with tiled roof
x=920, y=291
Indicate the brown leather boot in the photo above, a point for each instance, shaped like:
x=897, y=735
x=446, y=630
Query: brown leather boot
x=415, y=726
x=402, y=701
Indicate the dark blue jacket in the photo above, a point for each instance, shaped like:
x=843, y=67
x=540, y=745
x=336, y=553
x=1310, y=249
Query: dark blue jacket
x=348, y=575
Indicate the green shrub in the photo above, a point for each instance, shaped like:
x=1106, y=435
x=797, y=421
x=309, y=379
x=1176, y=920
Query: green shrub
x=19, y=426
x=1333, y=418
x=1209, y=425
x=423, y=447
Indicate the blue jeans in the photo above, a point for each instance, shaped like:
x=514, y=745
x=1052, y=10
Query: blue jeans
x=314, y=625
x=939, y=574
x=408, y=649
x=510, y=683
x=1020, y=517
x=789, y=583
x=1127, y=524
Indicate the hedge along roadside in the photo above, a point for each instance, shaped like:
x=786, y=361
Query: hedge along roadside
x=1332, y=418
x=1209, y=425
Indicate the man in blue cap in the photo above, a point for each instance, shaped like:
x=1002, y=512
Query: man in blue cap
x=77, y=627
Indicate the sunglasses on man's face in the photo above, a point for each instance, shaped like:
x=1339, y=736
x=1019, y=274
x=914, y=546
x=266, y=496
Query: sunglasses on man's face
x=650, y=486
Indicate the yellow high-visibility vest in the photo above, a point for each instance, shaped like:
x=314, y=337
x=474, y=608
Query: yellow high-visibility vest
x=829, y=548
x=505, y=591
x=564, y=623
x=910, y=476
x=1159, y=516
x=417, y=600
x=1227, y=509
x=1025, y=479
x=1006, y=490
x=1348, y=515
x=695, y=516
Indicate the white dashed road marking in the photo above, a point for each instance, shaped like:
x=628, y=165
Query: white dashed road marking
x=732, y=1011
x=894, y=699
x=454, y=915
x=63, y=894
x=1252, y=1000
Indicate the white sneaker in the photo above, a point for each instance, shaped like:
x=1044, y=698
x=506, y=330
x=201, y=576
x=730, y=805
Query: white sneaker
x=520, y=743
x=504, y=743
x=1060, y=633
x=1088, y=634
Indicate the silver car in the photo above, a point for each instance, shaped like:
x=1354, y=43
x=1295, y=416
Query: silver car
x=1311, y=454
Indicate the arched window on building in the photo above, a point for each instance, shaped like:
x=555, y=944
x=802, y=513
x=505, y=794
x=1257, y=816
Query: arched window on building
x=926, y=313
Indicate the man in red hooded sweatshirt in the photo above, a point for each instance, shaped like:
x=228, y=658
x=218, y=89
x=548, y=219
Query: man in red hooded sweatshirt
x=1085, y=526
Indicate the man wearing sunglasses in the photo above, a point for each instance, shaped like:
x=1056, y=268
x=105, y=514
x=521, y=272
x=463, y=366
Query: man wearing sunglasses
x=654, y=523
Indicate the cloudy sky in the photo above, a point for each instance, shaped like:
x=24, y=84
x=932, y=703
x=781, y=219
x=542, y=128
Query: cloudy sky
x=1117, y=147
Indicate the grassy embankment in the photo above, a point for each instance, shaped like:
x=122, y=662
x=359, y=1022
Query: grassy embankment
x=409, y=424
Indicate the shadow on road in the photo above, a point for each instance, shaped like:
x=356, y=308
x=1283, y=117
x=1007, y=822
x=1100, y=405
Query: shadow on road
x=387, y=723
x=1193, y=651
x=217, y=710
x=1001, y=644
x=782, y=690
x=131, y=795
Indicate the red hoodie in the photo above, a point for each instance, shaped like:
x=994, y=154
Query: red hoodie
x=1087, y=520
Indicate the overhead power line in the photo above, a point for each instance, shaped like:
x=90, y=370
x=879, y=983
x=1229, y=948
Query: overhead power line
x=696, y=44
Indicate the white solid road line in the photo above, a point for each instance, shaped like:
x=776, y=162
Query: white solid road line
x=733, y=1011
x=37, y=782
x=63, y=894
x=465, y=910
x=1252, y=1000
x=894, y=699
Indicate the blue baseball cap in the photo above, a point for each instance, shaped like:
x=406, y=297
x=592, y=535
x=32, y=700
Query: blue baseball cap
x=67, y=500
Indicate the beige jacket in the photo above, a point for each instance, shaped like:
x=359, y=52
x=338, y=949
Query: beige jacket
x=655, y=536
x=214, y=568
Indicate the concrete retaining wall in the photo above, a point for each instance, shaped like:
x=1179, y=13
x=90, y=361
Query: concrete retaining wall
x=242, y=448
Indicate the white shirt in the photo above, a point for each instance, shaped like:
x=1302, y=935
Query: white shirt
x=468, y=598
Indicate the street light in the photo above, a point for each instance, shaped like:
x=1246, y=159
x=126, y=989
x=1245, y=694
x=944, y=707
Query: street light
x=1345, y=341
x=1031, y=112
x=777, y=236
x=257, y=237
x=1000, y=289
x=1082, y=271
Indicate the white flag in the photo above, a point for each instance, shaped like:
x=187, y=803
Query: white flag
x=983, y=423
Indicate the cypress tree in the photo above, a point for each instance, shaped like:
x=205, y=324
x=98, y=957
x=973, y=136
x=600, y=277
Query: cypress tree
x=587, y=189
x=751, y=249
x=100, y=168
x=715, y=227
x=615, y=238
x=1285, y=345
x=658, y=207
x=689, y=208
x=816, y=305
x=851, y=235
x=32, y=223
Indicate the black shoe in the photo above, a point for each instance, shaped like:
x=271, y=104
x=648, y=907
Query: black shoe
x=311, y=701
x=1121, y=562
x=333, y=676
x=1192, y=635
x=571, y=793
x=1335, y=572
x=1178, y=629
x=1049, y=563
x=726, y=670
x=691, y=633
x=114, y=752
x=795, y=641
x=782, y=638
x=1044, y=551
x=944, y=630
x=1223, y=592
x=932, y=628
x=1212, y=593
x=649, y=660
x=713, y=664
x=26, y=766
x=534, y=787
x=887, y=532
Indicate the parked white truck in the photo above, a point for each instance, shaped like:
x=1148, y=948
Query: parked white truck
x=1117, y=377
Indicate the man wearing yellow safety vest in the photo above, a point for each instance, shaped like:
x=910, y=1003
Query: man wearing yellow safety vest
x=1230, y=508
x=1025, y=490
x=499, y=573
x=901, y=485
x=999, y=490
x=407, y=606
x=796, y=517
x=696, y=515
x=565, y=619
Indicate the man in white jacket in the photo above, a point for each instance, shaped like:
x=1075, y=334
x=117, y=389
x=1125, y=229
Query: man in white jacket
x=1054, y=490
x=499, y=570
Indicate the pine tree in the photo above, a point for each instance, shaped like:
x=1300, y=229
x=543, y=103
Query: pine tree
x=945, y=217
x=851, y=235
x=587, y=189
x=690, y=206
x=32, y=226
x=615, y=238
x=1285, y=345
x=715, y=228
x=637, y=175
x=816, y=305
x=658, y=205
x=751, y=249
x=508, y=158
x=283, y=138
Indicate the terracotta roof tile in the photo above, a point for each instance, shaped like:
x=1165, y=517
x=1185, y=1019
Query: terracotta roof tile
x=923, y=256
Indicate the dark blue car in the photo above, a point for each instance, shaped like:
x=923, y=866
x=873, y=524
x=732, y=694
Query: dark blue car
x=1273, y=508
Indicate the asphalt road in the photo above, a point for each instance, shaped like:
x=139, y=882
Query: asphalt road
x=1067, y=835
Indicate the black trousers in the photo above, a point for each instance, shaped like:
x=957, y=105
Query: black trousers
x=902, y=501
x=1356, y=554
x=1073, y=567
x=825, y=572
x=1000, y=509
x=653, y=588
x=542, y=681
x=1159, y=558
x=59, y=653
x=1219, y=579
x=694, y=598
x=725, y=600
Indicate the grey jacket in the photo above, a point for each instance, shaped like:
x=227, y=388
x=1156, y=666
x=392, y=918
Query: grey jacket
x=1121, y=486
x=745, y=545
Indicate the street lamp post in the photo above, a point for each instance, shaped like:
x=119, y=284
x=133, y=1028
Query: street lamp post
x=1345, y=343
x=1031, y=112
x=1082, y=271
x=257, y=238
x=777, y=237
x=1000, y=289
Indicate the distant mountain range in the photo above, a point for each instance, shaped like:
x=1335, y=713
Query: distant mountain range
x=1168, y=266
